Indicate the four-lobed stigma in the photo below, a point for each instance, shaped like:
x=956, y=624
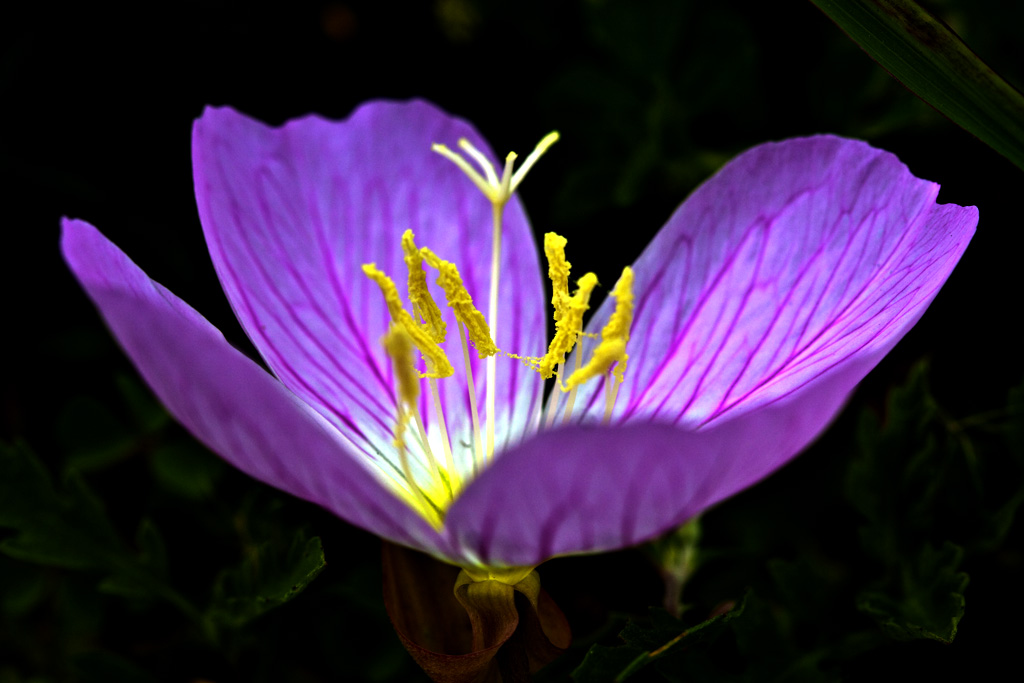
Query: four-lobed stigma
x=424, y=330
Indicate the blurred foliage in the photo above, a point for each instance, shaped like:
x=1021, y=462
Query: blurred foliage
x=930, y=59
x=910, y=473
x=926, y=493
x=130, y=553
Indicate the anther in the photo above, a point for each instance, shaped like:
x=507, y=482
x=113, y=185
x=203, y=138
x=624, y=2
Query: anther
x=614, y=335
x=437, y=362
x=423, y=306
x=558, y=272
x=461, y=303
x=399, y=345
x=567, y=329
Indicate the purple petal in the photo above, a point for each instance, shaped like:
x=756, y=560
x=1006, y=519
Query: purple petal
x=587, y=488
x=797, y=259
x=291, y=214
x=230, y=403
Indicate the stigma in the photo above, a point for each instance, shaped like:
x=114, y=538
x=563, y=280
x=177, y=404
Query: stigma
x=497, y=190
x=428, y=478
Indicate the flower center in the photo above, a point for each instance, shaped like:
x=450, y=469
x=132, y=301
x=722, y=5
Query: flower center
x=424, y=330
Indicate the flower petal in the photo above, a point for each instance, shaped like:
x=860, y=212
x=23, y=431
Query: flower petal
x=796, y=259
x=230, y=403
x=291, y=214
x=590, y=488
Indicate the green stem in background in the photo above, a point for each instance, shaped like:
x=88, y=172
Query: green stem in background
x=927, y=57
x=676, y=556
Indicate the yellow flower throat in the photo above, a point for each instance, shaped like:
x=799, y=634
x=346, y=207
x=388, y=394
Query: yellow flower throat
x=424, y=330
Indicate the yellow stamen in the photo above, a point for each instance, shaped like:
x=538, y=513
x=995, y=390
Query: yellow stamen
x=607, y=352
x=614, y=335
x=461, y=303
x=423, y=305
x=558, y=271
x=437, y=362
x=568, y=328
x=469, y=318
x=399, y=346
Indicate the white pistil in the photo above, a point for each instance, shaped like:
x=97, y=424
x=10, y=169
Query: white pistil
x=504, y=192
x=481, y=161
x=478, y=445
x=505, y=188
x=465, y=167
x=498, y=192
x=492, y=324
x=538, y=151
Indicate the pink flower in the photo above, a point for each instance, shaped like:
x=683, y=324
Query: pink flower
x=761, y=303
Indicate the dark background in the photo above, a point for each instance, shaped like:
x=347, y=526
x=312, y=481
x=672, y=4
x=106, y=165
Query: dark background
x=650, y=97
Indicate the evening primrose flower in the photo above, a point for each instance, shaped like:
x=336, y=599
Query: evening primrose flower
x=384, y=269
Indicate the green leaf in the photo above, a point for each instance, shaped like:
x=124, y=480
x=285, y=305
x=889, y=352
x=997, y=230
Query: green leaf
x=922, y=475
x=185, y=468
x=1015, y=426
x=70, y=529
x=933, y=62
x=915, y=477
x=926, y=602
x=94, y=435
x=24, y=587
x=803, y=587
x=149, y=415
x=265, y=579
x=664, y=637
x=152, y=559
x=91, y=435
x=905, y=469
x=999, y=522
x=106, y=667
